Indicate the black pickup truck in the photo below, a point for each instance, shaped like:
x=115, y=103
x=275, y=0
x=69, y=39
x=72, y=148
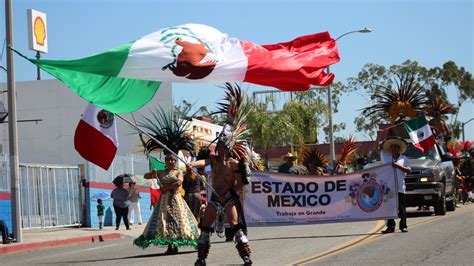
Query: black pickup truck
x=431, y=181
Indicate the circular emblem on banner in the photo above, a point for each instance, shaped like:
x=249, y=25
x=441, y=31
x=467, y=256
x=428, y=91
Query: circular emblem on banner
x=420, y=134
x=369, y=196
x=105, y=118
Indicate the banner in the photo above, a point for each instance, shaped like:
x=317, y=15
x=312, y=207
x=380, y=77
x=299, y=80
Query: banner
x=277, y=199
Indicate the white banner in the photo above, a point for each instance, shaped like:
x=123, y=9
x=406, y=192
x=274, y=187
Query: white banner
x=276, y=199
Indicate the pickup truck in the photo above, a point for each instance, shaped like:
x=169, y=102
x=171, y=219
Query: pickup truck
x=431, y=181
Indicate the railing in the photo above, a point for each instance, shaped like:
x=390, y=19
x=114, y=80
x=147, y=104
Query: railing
x=4, y=173
x=50, y=195
x=130, y=164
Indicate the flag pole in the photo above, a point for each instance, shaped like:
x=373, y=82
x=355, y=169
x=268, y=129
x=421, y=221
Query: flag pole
x=166, y=148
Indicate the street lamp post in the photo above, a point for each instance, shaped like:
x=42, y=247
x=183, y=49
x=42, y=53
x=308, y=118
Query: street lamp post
x=12, y=125
x=332, y=151
x=462, y=127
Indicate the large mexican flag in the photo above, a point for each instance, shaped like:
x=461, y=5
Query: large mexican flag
x=420, y=133
x=126, y=77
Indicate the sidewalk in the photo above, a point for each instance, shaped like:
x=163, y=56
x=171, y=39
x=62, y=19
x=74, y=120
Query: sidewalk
x=46, y=238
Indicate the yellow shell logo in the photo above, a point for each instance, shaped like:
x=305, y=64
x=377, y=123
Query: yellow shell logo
x=39, y=31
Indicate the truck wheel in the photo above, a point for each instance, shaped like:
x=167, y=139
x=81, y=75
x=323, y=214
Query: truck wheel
x=440, y=205
x=451, y=204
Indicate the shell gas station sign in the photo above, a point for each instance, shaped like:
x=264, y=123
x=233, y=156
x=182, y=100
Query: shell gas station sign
x=37, y=31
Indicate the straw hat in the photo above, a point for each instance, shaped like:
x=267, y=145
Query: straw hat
x=288, y=155
x=395, y=141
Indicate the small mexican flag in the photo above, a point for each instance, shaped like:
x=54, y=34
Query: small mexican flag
x=420, y=133
x=155, y=164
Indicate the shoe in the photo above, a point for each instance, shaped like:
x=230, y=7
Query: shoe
x=175, y=250
x=247, y=260
x=9, y=240
x=139, y=223
x=116, y=228
x=169, y=251
x=200, y=262
x=388, y=231
x=404, y=230
x=129, y=228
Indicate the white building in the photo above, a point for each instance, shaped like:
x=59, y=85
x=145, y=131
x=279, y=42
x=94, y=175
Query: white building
x=204, y=132
x=51, y=140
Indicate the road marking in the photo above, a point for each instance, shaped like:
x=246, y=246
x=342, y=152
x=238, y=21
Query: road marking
x=379, y=226
x=89, y=249
x=367, y=239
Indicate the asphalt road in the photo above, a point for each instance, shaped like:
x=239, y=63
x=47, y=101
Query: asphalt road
x=431, y=240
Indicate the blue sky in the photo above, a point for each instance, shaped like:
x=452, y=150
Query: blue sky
x=430, y=32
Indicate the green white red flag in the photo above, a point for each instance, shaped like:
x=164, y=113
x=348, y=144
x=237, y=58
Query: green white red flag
x=420, y=133
x=125, y=78
x=96, y=137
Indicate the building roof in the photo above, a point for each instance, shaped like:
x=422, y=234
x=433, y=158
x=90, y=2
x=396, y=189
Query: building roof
x=278, y=152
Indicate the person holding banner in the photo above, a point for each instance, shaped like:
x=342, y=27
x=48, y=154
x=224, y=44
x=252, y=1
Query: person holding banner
x=391, y=152
x=289, y=162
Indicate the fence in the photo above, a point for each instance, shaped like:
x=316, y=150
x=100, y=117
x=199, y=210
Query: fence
x=130, y=164
x=50, y=195
x=4, y=173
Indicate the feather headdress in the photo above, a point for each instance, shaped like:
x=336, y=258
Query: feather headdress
x=406, y=100
x=169, y=130
x=349, y=149
x=437, y=107
x=313, y=159
x=235, y=133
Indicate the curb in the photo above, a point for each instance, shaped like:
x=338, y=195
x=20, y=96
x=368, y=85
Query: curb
x=22, y=247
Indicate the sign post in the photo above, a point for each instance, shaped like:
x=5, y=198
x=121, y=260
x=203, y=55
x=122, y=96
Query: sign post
x=37, y=34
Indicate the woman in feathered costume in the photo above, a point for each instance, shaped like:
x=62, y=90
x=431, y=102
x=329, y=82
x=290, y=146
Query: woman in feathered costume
x=172, y=223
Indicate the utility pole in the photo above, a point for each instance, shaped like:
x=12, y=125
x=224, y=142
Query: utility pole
x=12, y=126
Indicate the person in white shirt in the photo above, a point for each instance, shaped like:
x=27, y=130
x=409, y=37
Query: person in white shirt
x=134, y=204
x=392, y=150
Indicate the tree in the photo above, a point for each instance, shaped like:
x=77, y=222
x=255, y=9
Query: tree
x=317, y=99
x=183, y=109
x=306, y=117
x=432, y=81
x=270, y=129
x=452, y=75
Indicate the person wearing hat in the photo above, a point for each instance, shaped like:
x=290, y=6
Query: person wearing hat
x=289, y=161
x=392, y=150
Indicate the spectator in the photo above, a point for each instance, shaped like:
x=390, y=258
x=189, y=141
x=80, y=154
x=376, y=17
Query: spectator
x=192, y=188
x=134, y=204
x=5, y=236
x=392, y=150
x=289, y=162
x=100, y=212
x=120, y=196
